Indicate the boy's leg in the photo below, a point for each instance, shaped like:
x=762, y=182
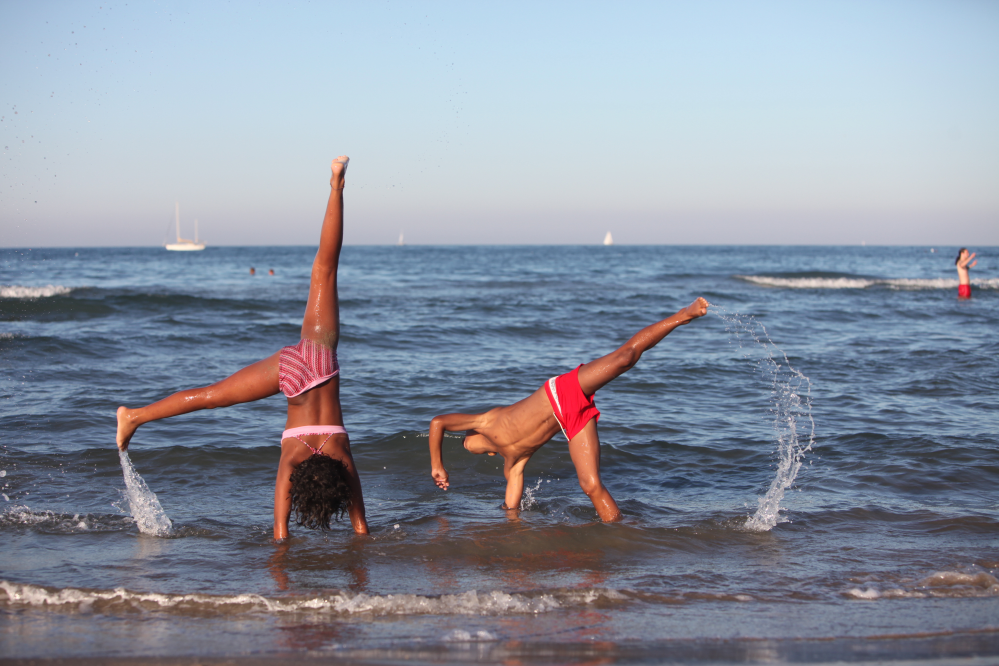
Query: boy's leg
x=584, y=449
x=322, y=313
x=596, y=374
x=253, y=382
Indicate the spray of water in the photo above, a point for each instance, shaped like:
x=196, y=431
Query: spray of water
x=142, y=503
x=790, y=406
x=528, y=501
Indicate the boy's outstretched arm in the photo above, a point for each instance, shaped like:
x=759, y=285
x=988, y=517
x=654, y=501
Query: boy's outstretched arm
x=438, y=426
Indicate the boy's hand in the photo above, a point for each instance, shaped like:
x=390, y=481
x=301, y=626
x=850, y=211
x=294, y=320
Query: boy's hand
x=440, y=478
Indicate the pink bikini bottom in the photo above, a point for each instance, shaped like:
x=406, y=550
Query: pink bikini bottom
x=301, y=431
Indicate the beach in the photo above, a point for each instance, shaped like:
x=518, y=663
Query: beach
x=807, y=473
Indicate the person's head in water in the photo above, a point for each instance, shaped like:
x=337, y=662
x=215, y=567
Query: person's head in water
x=253, y=270
x=319, y=491
x=270, y=272
x=960, y=254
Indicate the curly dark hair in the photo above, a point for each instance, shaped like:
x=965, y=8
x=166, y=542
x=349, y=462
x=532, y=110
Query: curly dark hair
x=319, y=491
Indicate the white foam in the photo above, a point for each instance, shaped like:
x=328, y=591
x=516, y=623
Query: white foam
x=142, y=503
x=17, y=291
x=942, y=584
x=790, y=400
x=808, y=283
x=462, y=636
x=50, y=521
x=916, y=284
x=955, y=579
x=340, y=603
x=869, y=593
x=864, y=283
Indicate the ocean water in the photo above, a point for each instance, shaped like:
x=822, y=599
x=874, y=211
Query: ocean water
x=808, y=473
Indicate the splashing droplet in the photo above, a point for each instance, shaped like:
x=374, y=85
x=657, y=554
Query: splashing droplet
x=790, y=401
x=142, y=503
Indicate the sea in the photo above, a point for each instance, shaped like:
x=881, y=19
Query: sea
x=808, y=474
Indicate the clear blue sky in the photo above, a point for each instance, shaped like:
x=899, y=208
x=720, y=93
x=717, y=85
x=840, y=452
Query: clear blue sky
x=503, y=122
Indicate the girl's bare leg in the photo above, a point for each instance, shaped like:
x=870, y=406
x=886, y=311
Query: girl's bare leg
x=322, y=313
x=253, y=382
x=596, y=374
x=584, y=449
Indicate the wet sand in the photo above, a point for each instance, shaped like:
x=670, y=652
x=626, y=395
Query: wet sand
x=975, y=647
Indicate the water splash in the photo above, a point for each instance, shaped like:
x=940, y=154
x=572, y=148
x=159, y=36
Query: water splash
x=142, y=503
x=790, y=402
x=528, y=501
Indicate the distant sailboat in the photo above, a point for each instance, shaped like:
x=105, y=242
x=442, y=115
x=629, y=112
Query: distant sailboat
x=183, y=244
x=402, y=241
x=608, y=239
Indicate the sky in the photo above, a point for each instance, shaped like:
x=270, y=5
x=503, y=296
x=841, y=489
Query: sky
x=712, y=122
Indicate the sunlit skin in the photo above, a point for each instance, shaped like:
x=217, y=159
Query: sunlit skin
x=516, y=431
x=964, y=262
x=319, y=405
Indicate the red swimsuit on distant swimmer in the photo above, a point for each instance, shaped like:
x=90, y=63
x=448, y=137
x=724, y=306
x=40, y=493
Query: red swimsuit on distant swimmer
x=964, y=291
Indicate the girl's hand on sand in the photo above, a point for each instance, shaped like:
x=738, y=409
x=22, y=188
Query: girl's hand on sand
x=440, y=478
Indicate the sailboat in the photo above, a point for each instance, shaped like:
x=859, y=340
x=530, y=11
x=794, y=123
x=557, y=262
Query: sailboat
x=183, y=244
x=401, y=240
x=608, y=239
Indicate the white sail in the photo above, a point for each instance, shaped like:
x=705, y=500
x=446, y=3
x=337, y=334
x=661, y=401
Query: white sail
x=184, y=244
x=402, y=241
x=608, y=239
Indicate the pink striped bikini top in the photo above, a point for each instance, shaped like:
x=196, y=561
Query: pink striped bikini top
x=304, y=366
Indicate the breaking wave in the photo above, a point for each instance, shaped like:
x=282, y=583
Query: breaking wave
x=909, y=284
x=20, y=595
x=17, y=291
x=949, y=584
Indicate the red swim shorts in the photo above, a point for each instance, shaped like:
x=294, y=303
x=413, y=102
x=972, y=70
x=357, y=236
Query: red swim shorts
x=964, y=291
x=571, y=407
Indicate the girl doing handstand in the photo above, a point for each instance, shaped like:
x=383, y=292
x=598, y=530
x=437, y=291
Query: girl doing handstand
x=316, y=474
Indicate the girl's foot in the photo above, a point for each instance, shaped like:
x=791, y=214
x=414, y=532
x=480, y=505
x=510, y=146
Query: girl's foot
x=126, y=427
x=339, y=167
